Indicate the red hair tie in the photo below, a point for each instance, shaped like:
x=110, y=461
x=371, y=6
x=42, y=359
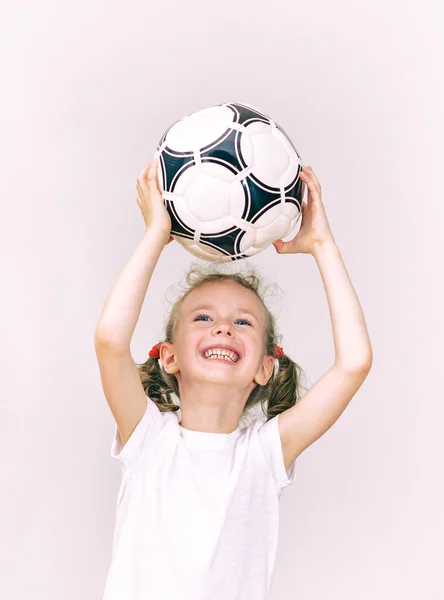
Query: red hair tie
x=154, y=352
x=278, y=352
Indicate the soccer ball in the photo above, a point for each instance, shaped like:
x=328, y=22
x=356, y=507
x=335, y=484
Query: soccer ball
x=230, y=181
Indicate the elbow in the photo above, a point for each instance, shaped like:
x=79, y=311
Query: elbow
x=102, y=339
x=362, y=364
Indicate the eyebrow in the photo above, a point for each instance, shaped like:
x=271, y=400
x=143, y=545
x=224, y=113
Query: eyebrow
x=208, y=306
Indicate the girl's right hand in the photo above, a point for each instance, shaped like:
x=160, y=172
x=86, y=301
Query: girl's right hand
x=150, y=201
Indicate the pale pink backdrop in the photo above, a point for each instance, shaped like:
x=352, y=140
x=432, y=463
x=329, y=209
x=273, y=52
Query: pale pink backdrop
x=87, y=90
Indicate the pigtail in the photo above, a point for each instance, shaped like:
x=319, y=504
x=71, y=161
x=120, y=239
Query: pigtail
x=158, y=384
x=284, y=388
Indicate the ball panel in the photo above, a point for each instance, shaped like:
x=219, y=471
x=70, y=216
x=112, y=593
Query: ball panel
x=225, y=152
x=219, y=227
x=273, y=231
x=291, y=209
x=245, y=114
x=218, y=170
x=210, y=192
x=254, y=108
x=258, y=128
x=202, y=253
x=260, y=199
x=248, y=240
x=253, y=250
x=271, y=158
x=268, y=214
x=208, y=199
x=183, y=216
x=186, y=173
x=246, y=150
x=172, y=168
x=238, y=199
x=273, y=155
x=207, y=249
x=199, y=129
x=227, y=241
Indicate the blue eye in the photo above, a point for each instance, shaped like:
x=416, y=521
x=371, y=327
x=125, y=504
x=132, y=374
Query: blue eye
x=245, y=321
x=198, y=318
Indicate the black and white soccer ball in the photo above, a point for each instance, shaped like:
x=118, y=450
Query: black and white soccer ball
x=230, y=181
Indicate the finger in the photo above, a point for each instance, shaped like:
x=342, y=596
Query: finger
x=281, y=246
x=312, y=185
x=306, y=175
x=144, y=175
x=139, y=190
x=144, y=171
x=307, y=171
x=152, y=171
x=311, y=174
x=155, y=179
x=145, y=181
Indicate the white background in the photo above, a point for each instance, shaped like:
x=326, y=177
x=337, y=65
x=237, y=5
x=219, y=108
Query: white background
x=87, y=89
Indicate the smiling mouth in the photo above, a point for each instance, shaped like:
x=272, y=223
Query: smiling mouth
x=221, y=359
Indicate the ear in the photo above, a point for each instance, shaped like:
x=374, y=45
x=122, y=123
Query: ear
x=168, y=358
x=265, y=370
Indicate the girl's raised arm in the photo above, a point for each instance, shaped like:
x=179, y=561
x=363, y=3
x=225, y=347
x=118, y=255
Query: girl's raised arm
x=122, y=308
x=121, y=382
x=306, y=421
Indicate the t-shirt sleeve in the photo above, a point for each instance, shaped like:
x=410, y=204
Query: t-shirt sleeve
x=141, y=438
x=270, y=441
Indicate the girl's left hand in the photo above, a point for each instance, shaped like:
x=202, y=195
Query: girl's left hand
x=315, y=227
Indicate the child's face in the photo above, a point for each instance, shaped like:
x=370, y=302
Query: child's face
x=222, y=313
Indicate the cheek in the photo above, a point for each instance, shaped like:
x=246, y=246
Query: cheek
x=190, y=343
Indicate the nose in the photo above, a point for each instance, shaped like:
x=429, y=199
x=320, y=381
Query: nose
x=222, y=328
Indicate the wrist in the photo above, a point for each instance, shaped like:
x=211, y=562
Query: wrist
x=157, y=235
x=326, y=244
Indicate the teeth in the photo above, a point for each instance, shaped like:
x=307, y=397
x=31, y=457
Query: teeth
x=219, y=353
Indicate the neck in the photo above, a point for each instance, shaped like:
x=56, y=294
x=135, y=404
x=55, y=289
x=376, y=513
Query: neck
x=212, y=407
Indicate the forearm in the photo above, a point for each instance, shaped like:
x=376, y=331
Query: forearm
x=122, y=308
x=352, y=345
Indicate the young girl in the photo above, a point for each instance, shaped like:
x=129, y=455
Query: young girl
x=198, y=505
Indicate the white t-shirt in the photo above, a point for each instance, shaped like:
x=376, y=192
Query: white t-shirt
x=197, y=512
